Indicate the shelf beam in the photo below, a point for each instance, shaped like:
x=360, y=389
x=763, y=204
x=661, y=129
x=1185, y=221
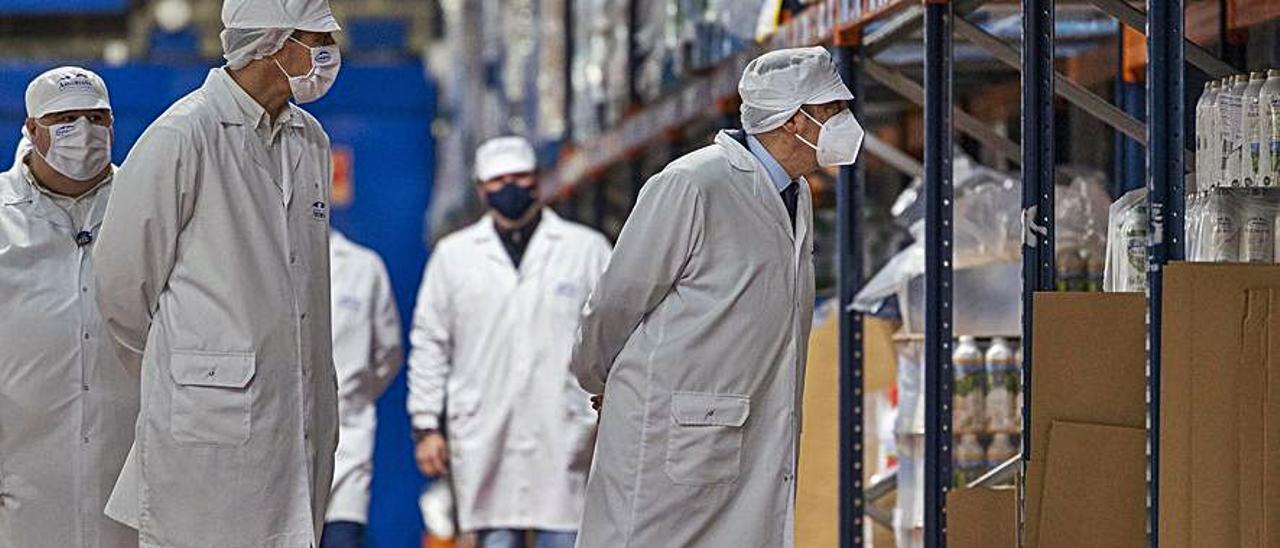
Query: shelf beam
x=902, y=162
x=1137, y=20
x=966, y=123
x=902, y=25
x=1073, y=92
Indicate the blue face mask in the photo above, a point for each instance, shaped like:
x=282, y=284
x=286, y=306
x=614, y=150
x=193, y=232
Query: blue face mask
x=512, y=201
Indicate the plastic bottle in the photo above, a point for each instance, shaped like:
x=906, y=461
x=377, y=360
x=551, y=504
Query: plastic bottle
x=970, y=459
x=1096, y=267
x=1017, y=407
x=1002, y=386
x=970, y=387
x=1269, y=102
x=1234, y=129
x=1222, y=216
x=1072, y=269
x=1001, y=450
x=1258, y=236
x=1229, y=121
x=1251, y=135
x=1133, y=231
x=1206, y=143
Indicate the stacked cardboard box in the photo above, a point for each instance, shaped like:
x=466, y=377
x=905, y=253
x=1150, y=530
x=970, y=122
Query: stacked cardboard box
x=1220, y=418
x=1085, y=475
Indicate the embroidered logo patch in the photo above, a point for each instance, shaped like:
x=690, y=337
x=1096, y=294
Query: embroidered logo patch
x=319, y=211
x=566, y=289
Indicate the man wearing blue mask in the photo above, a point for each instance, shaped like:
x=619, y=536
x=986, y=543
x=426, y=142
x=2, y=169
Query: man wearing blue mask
x=697, y=334
x=214, y=284
x=490, y=394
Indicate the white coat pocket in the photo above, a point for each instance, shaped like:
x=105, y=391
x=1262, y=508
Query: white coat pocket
x=704, y=446
x=211, y=400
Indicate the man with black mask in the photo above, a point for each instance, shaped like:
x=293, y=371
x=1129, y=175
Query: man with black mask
x=490, y=393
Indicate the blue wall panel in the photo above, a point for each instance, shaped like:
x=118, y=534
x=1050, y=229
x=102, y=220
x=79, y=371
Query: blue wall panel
x=52, y=7
x=383, y=114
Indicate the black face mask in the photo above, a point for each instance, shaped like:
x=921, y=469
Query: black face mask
x=511, y=201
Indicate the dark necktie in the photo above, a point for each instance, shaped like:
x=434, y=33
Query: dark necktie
x=790, y=198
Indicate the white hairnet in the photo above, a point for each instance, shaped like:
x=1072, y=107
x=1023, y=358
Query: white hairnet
x=24, y=146
x=242, y=46
x=775, y=85
x=503, y=156
x=308, y=15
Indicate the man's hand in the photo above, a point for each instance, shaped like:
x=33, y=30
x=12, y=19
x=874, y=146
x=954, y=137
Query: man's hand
x=432, y=454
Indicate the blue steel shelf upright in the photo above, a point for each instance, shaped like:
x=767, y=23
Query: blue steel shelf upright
x=1166, y=86
x=939, y=205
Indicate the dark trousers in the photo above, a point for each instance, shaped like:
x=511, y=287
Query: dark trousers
x=342, y=534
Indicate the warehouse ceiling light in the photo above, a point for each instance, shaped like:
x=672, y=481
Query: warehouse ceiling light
x=172, y=15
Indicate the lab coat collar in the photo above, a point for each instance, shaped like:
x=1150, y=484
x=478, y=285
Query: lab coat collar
x=221, y=91
x=739, y=157
x=549, y=233
x=339, y=244
x=743, y=160
x=220, y=86
x=23, y=192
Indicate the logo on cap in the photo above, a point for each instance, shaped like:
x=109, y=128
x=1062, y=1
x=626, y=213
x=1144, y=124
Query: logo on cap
x=78, y=80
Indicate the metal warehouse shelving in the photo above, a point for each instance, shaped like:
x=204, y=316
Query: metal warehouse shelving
x=842, y=24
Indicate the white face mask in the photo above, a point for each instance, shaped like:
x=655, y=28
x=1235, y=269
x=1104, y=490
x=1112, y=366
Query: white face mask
x=839, y=141
x=325, y=63
x=80, y=150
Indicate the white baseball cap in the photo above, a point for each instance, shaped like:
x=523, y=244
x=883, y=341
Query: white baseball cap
x=503, y=156
x=66, y=88
x=304, y=15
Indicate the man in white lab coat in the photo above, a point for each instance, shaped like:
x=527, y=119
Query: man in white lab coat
x=366, y=352
x=489, y=370
x=67, y=407
x=213, y=280
x=697, y=333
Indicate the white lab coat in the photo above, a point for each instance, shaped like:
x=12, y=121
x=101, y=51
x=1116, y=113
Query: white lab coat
x=495, y=344
x=697, y=335
x=213, y=279
x=67, y=407
x=367, y=353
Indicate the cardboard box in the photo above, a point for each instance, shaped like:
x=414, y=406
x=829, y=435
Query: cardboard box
x=1259, y=408
x=982, y=518
x=1218, y=461
x=1089, y=353
x=1094, y=487
x=818, y=490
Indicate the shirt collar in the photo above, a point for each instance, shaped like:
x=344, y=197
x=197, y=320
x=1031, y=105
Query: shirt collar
x=255, y=113
x=776, y=172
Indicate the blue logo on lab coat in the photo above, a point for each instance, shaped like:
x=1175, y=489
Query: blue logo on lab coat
x=319, y=211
